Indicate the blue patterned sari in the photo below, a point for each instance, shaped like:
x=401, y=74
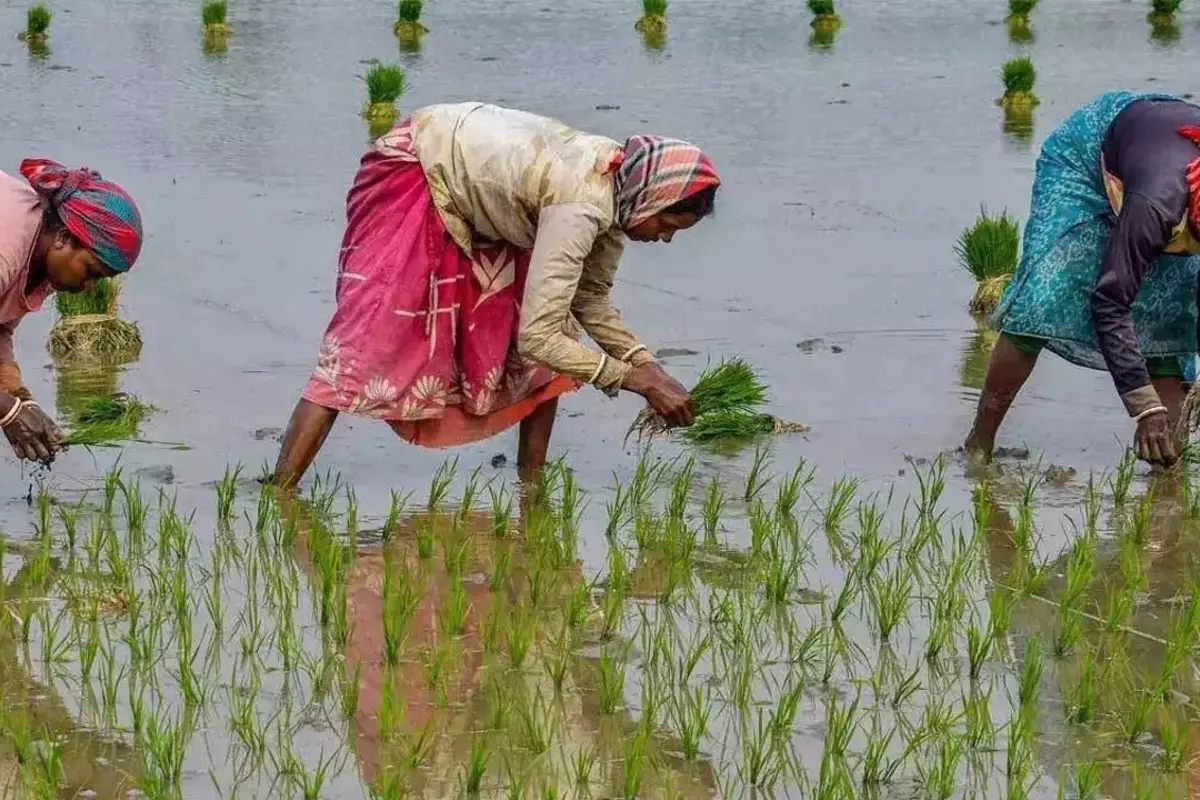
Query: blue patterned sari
x=1070, y=220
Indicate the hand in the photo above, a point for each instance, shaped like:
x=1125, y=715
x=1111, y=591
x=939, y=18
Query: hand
x=665, y=395
x=1156, y=441
x=33, y=435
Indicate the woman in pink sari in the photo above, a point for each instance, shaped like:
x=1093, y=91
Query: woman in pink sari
x=479, y=240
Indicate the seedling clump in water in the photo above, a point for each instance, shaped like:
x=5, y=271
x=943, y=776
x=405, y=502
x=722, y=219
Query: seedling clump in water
x=653, y=22
x=37, y=23
x=989, y=250
x=385, y=85
x=103, y=420
x=825, y=17
x=408, y=22
x=88, y=324
x=1018, y=76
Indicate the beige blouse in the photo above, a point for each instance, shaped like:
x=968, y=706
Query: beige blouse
x=502, y=175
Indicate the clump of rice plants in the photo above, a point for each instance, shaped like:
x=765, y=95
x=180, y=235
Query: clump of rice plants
x=825, y=17
x=385, y=85
x=105, y=419
x=88, y=324
x=727, y=402
x=213, y=14
x=989, y=250
x=1019, y=29
x=37, y=23
x=1163, y=11
x=408, y=21
x=1018, y=76
x=654, y=18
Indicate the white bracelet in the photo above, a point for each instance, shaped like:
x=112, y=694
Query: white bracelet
x=12, y=413
x=599, y=368
x=630, y=353
x=1149, y=412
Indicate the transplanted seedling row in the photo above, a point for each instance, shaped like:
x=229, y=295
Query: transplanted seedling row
x=766, y=635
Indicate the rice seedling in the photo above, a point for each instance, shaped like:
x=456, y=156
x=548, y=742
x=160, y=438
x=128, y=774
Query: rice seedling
x=103, y=420
x=1018, y=76
x=477, y=763
x=1081, y=699
x=757, y=477
x=989, y=250
x=88, y=324
x=408, y=20
x=611, y=691
x=582, y=763
x=1174, y=736
x=1030, y=680
x=523, y=625
x=538, y=724
x=653, y=21
x=825, y=17
x=1120, y=483
x=385, y=84
x=1163, y=11
x=213, y=14
x=939, y=778
x=37, y=23
x=890, y=600
x=837, y=507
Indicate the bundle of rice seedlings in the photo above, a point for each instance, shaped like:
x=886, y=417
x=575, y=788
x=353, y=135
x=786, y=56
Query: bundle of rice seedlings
x=727, y=402
x=104, y=419
x=825, y=18
x=385, y=85
x=989, y=250
x=654, y=18
x=1163, y=11
x=88, y=324
x=37, y=23
x=213, y=14
x=1018, y=76
x=1020, y=9
x=408, y=21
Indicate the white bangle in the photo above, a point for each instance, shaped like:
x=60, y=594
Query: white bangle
x=599, y=368
x=1149, y=412
x=12, y=413
x=633, y=350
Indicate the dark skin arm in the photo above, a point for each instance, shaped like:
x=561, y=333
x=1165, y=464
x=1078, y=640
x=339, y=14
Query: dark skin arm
x=32, y=434
x=665, y=395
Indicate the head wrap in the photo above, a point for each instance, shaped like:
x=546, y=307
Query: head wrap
x=1193, y=175
x=654, y=173
x=98, y=213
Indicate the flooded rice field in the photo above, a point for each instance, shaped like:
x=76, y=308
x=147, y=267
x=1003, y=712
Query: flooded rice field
x=845, y=613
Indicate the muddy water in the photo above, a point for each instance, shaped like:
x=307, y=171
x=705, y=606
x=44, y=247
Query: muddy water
x=849, y=171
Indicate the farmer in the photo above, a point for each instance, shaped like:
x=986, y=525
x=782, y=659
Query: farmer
x=61, y=231
x=1108, y=272
x=476, y=238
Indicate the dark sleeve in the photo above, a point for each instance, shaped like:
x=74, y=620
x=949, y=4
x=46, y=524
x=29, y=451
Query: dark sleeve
x=1141, y=232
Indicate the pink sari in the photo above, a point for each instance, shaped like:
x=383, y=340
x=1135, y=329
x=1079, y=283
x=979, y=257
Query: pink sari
x=424, y=335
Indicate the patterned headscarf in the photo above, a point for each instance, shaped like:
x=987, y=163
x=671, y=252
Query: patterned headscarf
x=98, y=213
x=1193, y=175
x=654, y=173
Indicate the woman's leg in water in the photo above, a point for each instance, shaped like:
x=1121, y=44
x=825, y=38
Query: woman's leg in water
x=534, y=441
x=306, y=432
x=1007, y=372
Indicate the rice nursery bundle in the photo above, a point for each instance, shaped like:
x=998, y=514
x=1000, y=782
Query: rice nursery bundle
x=385, y=84
x=727, y=403
x=825, y=17
x=88, y=324
x=106, y=419
x=214, y=14
x=408, y=20
x=37, y=23
x=1020, y=8
x=1018, y=77
x=654, y=18
x=1163, y=11
x=989, y=250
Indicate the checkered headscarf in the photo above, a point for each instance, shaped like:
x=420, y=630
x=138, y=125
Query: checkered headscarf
x=654, y=173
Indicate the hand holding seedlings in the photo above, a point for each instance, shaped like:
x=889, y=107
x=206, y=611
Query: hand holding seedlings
x=1155, y=439
x=665, y=395
x=32, y=434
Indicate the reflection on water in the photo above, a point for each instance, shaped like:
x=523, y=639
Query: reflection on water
x=976, y=354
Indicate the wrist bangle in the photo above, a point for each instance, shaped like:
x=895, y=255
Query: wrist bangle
x=632, y=351
x=599, y=368
x=1149, y=412
x=12, y=412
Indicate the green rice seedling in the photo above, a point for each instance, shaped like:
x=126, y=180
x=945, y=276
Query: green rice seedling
x=1018, y=77
x=408, y=23
x=1081, y=700
x=37, y=23
x=877, y=769
x=102, y=420
x=395, y=511
x=538, y=724
x=1021, y=8
x=690, y=709
x=476, y=767
x=1031, y=673
x=1070, y=628
x=653, y=21
x=1174, y=735
x=757, y=478
x=501, y=567
x=989, y=250
x=502, y=509
x=837, y=507
x=825, y=18
x=1086, y=780
x=611, y=692
x=890, y=600
x=1120, y=483
x=523, y=625
x=351, y=691
x=979, y=648
x=439, y=487
x=227, y=493
x=1135, y=720
x=760, y=766
x=633, y=766
x=385, y=85
x=980, y=728
x=455, y=549
x=214, y=14
x=712, y=511
x=1163, y=11
x=939, y=779
x=582, y=763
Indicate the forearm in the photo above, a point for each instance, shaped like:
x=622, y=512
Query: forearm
x=1117, y=338
x=606, y=328
x=564, y=355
